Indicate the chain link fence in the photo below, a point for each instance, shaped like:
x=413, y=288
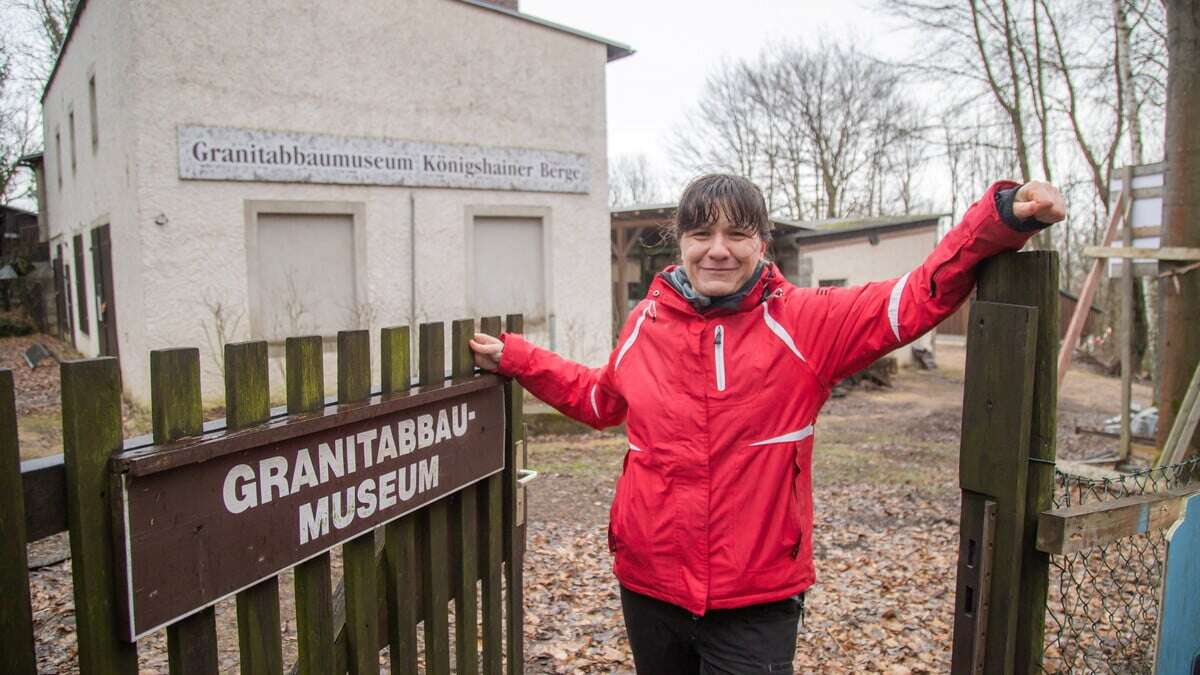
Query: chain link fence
x=1102, y=607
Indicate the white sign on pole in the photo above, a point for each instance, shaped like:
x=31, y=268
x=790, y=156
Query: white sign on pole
x=1144, y=212
x=218, y=153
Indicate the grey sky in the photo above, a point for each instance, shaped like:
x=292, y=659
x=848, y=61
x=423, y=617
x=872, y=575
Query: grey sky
x=679, y=42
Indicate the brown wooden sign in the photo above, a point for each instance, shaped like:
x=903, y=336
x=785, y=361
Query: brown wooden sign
x=201, y=519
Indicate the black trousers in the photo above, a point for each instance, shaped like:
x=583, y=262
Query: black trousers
x=669, y=640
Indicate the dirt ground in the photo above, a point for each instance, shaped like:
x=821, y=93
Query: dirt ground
x=886, y=497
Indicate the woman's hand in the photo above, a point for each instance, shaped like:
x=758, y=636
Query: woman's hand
x=487, y=351
x=1039, y=200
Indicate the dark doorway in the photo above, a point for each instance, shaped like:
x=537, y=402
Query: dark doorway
x=60, y=301
x=106, y=308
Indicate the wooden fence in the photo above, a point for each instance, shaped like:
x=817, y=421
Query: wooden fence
x=465, y=549
x=1009, y=528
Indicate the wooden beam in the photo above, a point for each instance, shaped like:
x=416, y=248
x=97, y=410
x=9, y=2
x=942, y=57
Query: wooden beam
x=1184, y=426
x=1142, y=232
x=1126, y=332
x=1169, y=253
x=1077, y=528
x=1031, y=278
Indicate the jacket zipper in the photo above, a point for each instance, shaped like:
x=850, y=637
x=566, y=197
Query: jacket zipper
x=719, y=352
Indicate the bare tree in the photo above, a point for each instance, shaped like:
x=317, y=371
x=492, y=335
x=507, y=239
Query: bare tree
x=51, y=20
x=824, y=131
x=17, y=130
x=631, y=181
x=723, y=132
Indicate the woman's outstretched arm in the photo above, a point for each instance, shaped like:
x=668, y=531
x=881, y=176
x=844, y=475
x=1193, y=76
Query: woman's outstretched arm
x=589, y=395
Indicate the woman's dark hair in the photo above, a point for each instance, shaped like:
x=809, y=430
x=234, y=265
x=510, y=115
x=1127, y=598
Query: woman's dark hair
x=707, y=197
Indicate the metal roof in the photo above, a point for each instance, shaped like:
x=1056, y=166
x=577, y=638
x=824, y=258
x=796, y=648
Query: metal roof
x=847, y=228
x=616, y=50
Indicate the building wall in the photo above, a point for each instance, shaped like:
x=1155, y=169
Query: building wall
x=429, y=70
x=102, y=187
x=859, y=262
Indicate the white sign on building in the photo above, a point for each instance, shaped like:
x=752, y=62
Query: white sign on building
x=221, y=153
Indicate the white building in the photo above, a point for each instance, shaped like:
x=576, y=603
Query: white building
x=223, y=171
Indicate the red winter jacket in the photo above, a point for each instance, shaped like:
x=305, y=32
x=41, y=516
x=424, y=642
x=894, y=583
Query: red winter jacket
x=713, y=508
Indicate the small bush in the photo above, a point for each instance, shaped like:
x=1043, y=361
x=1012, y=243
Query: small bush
x=10, y=327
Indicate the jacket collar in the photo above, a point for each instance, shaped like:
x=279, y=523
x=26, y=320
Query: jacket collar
x=769, y=280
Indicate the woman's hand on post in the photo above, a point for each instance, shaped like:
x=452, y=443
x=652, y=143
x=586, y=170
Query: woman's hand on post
x=487, y=351
x=1039, y=200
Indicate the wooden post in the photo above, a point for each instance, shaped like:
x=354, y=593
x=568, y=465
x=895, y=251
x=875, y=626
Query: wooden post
x=622, y=294
x=491, y=521
x=434, y=524
x=1180, y=294
x=305, y=371
x=176, y=412
x=247, y=403
x=16, y=617
x=514, y=516
x=400, y=536
x=358, y=554
x=464, y=515
x=1001, y=340
x=91, y=397
x=1031, y=279
x=1126, y=333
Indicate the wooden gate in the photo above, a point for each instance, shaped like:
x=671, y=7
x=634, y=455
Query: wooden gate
x=163, y=528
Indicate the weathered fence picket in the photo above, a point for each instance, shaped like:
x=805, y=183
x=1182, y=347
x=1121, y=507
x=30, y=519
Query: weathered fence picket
x=435, y=525
x=91, y=410
x=247, y=403
x=491, y=531
x=305, y=372
x=358, y=554
x=400, y=536
x=16, y=616
x=514, y=513
x=176, y=412
x=464, y=516
x=458, y=548
x=1031, y=279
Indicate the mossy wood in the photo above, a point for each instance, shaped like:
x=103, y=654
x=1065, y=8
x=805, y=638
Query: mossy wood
x=91, y=411
x=434, y=525
x=176, y=412
x=247, y=403
x=400, y=542
x=395, y=576
x=305, y=372
x=464, y=513
x=358, y=554
x=16, y=617
x=1001, y=340
x=1031, y=279
x=491, y=532
x=514, y=528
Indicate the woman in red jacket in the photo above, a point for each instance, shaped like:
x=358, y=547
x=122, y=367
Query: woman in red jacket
x=719, y=374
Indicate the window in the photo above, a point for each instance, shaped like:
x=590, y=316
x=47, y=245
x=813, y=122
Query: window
x=831, y=282
x=95, y=121
x=306, y=275
x=509, y=267
x=58, y=155
x=81, y=296
x=71, y=134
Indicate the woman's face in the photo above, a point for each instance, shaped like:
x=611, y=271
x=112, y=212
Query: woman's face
x=719, y=258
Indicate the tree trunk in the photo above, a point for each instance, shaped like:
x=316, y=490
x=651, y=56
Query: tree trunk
x=1125, y=73
x=1181, y=211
